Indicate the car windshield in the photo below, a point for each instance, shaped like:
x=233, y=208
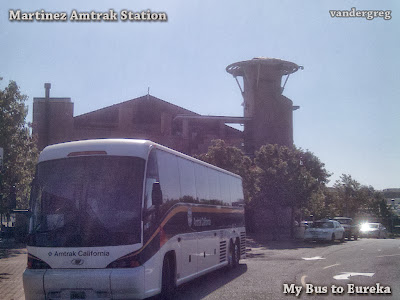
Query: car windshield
x=373, y=225
x=344, y=221
x=322, y=225
x=87, y=201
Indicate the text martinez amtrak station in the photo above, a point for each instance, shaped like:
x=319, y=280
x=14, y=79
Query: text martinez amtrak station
x=75, y=16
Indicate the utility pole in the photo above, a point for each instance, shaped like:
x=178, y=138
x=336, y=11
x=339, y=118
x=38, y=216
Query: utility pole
x=1, y=189
x=392, y=214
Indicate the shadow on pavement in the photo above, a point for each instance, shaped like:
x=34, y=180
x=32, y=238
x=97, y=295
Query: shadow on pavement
x=4, y=276
x=8, y=248
x=203, y=286
x=265, y=243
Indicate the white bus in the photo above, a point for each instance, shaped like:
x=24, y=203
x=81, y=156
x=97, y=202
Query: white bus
x=124, y=218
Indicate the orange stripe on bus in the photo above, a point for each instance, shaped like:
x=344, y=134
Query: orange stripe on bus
x=182, y=208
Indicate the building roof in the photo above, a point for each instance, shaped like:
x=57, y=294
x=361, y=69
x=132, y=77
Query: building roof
x=142, y=99
x=108, y=116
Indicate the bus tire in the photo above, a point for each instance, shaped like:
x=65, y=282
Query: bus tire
x=168, y=284
x=236, y=254
x=233, y=254
x=230, y=257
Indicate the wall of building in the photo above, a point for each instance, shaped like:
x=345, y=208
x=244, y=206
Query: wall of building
x=52, y=120
x=145, y=117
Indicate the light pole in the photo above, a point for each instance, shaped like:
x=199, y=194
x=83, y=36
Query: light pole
x=346, y=200
x=1, y=190
x=392, y=214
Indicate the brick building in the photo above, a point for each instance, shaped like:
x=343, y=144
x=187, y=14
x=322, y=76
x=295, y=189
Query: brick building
x=145, y=117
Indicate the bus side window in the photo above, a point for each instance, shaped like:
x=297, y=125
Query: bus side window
x=214, y=187
x=149, y=211
x=151, y=177
x=169, y=176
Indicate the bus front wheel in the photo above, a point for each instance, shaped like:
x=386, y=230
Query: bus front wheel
x=168, y=278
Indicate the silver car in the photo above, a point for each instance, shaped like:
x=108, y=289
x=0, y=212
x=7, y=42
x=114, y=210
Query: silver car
x=324, y=230
x=350, y=230
x=373, y=230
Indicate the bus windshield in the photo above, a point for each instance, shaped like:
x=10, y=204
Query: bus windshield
x=87, y=201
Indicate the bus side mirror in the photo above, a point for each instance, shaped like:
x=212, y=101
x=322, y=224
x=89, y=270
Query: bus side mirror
x=156, y=194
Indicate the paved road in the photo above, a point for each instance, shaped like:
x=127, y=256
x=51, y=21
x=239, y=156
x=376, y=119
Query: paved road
x=268, y=267
x=12, y=265
x=272, y=264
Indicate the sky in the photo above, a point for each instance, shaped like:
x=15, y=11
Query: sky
x=348, y=92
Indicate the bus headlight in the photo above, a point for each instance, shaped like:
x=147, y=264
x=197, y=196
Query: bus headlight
x=128, y=261
x=36, y=263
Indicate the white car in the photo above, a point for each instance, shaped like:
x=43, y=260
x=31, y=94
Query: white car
x=324, y=230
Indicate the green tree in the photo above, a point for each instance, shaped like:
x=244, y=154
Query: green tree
x=330, y=208
x=351, y=197
x=288, y=177
x=374, y=206
x=19, y=149
x=317, y=206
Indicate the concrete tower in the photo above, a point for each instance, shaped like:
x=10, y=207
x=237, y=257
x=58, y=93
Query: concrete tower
x=268, y=114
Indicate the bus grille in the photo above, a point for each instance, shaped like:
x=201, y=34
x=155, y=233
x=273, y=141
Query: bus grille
x=243, y=244
x=222, y=251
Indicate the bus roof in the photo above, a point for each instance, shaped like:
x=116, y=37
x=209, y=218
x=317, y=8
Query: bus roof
x=115, y=147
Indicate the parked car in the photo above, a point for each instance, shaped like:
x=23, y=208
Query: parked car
x=373, y=230
x=306, y=224
x=324, y=230
x=350, y=230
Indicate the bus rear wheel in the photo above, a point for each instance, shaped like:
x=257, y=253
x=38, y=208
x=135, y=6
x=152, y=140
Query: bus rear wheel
x=233, y=254
x=236, y=254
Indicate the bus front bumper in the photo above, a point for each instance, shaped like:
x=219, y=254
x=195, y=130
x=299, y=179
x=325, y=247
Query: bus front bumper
x=84, y=284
